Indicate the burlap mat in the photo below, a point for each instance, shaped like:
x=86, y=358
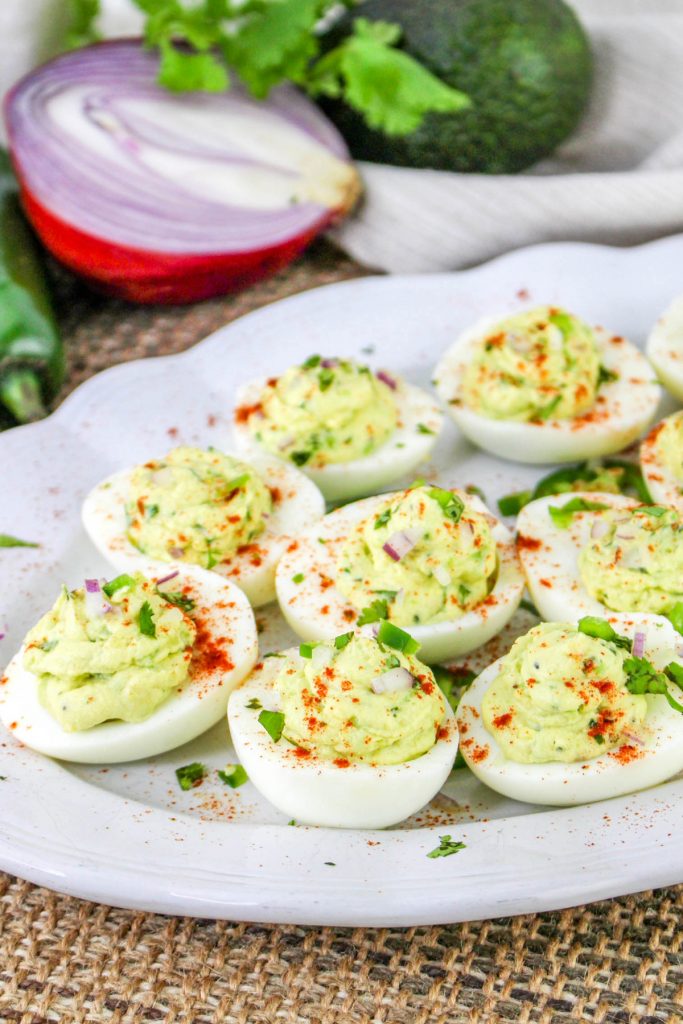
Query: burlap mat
x=67, y=961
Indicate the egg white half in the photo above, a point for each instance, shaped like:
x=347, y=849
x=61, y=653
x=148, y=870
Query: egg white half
x=407, y=447
x=297, y=502
x=611, y=774
x=550, y=555
x=665, y=348
x=314, y=791
x=228, y=628
x=624, y=409
x=664, y=487
x=316, y=610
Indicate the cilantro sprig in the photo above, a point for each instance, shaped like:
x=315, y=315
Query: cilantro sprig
x=447, y=846
x=201, y=44
x=562, y=515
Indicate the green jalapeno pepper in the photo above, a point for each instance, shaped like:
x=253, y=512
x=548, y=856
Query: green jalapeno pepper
x=31, y=353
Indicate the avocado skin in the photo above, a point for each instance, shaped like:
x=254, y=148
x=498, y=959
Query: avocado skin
x=525, y=64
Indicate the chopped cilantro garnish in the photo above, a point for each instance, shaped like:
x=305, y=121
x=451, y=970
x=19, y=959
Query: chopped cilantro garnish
x=151, y=511
x=146, y=620
x=563, y=515
x=473, y=489
x=292, y=821
x=383, y=518
x=451, y=505
x=238, y=482
x=643, y=677
x=420, y=482
x=600, y=629
x=375, y=612
x=397, y=638
x=652, y=510
x=300, y=458
x=190, y=775
x=452, y=683
x=605, y=376
x=299, y=578
x=306, y=650
x=233, y=776
x=446, y=847
x=597, y=736
x=311, y=363
x=423, y=429
x=274, y=654
x=254, y=704
x=273, y=722
x=512, y=504
x=546, y=412
x=118, y=583
x=627, y=478
x=675, y=616
x=182, y=601
x=211, y=559
x=340, y=642
x=325, y=378
x=7, y=541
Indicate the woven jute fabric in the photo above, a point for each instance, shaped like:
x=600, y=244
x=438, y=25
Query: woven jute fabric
x=67, y=961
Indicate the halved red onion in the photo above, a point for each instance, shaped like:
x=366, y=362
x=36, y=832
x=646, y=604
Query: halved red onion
x=401, y=543
x=387, y=379
x=160, y=197
x=96, y=602
x=393, y=680
x=167, y=579
x=638, y=644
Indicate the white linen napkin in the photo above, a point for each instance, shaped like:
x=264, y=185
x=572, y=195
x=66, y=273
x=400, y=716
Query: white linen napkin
x=617, y=180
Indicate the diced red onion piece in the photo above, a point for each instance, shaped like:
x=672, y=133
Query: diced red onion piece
x=393, y=680
x=442, y=576
x=167, y=579
x=329, y=364
x=387, y=379
x=401, y=543
x=177, y=552
x=624, y=535
x=160, y=197
x=92, y=586
x=638, y=644
x=96, y=603
x=633, y=738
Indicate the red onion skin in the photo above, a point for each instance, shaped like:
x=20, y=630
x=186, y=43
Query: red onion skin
x=139, y=275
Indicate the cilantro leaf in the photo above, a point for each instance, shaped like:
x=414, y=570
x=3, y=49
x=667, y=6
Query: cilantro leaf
x=675, y=616
x=643, y=677
x=375, y=612
x=254, y=704
x=605, y=376
x=512, y=504
x=562, y=515
x=234, y=776
x=182, y=601
x=190, y=775
x=146, y=620
x=82, y=29
x=451, y=505
x=7, y=541
x=446, y=847
x=391, y=90
x=383, y=518
x=599, y=628
x=273, y=722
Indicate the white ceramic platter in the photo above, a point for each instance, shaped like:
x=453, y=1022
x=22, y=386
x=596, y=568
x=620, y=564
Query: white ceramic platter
x=128, y=835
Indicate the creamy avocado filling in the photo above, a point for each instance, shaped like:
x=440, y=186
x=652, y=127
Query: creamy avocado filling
x=355, y=699
x=116, y=653
x=635, y=560
x=426, y=553
x=196, y=506
x=324, y=411
x=561, y=695
x=538, y=365
x=669, y=444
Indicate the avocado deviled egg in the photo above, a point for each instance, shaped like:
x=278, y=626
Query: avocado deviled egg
x=350, y=733
x=429, y=560
x=543, y=386
x=661, y=460
x=578, y=712
x=351, y=430
x=207, y=508
x=597, y=553
x=128, y=668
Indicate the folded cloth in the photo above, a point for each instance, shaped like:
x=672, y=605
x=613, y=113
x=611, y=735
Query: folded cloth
x=617, y=180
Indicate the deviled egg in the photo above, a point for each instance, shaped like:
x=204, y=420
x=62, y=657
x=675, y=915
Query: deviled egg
x=349, y=733
x=543, y=386
x=129, y=668
x=350, y=430
x=661, y=459
x=207, y=508
x=577, y=713
x=596, y=553
x=432, y=561
x=665, y=348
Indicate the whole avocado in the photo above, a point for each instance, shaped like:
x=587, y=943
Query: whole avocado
x=525, y=64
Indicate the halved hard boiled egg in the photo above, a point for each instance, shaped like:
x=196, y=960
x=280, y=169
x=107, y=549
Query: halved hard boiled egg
x=129, y=668
x=349, y=429
x=665, y=348
x=661, y=459
x=345, y=734
x=593, y=553
x=433, y=561
x=543, y=386
x=207, y=508
x=568, y=717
